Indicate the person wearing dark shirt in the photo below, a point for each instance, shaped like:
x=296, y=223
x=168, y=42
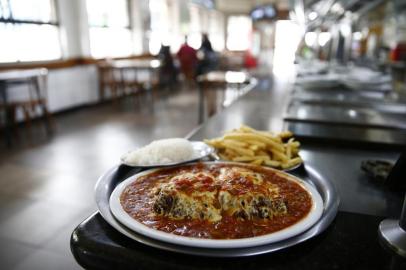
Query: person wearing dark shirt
x=207, y=56
x=168, y=73
x=206, y=44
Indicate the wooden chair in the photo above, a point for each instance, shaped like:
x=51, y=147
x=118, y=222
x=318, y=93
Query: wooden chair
x=212, y=90
x=31, y=105
x=138, y=77
x=116, y=80
x=108, y=79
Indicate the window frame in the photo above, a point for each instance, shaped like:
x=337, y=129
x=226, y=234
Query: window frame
x=14, y=21
x=53, y=22
x=130, y=21
x=128, y=27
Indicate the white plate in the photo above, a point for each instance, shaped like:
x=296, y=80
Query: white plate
x=297, y=228
x=201, y=150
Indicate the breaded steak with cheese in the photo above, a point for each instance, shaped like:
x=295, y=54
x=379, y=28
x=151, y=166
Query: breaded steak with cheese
x=235, y=191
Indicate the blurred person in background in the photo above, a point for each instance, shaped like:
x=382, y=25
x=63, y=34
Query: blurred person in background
x=168, y=75
x=207, y=56
x=250, y=61
x=188, y=61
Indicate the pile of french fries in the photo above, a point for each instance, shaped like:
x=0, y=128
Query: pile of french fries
x=258, y=147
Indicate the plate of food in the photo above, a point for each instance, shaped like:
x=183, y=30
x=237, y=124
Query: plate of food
x=167, y=152
x=248, y=145
x=216, y=205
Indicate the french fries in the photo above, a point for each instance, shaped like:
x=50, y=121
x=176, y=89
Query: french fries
x=258, y=147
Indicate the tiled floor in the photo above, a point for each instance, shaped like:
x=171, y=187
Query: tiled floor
x=46, y=186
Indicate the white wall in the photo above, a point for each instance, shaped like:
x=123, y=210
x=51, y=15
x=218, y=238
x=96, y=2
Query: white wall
x=72, y=87
x=67, y=88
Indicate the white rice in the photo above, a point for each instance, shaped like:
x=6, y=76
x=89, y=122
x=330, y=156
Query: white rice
x=161, y=152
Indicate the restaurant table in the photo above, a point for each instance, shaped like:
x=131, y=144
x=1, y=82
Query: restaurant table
x=132, y=65
x=12, y=77
x=212, y=81
x=351, y=241
x=146, y=64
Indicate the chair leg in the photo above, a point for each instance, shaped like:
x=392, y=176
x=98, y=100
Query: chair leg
x=41, y=102
x=49, y=120
x=114, y=94
x=27, y=122
x=12, y=120
x=136, y=96
x=211, y=102
x=155, y=91
x=8, y=128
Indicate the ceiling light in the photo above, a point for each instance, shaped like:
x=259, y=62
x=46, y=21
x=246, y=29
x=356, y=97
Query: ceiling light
x=357, y=36
x=310, y=38
x=312, y=15
x=324, y=37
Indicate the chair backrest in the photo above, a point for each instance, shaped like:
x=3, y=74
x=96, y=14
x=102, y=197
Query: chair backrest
x=41, y=81
x=27, y=85
x=106, y=72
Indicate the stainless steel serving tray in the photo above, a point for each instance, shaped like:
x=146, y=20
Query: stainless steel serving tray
x=346, y=116
x=117, y=174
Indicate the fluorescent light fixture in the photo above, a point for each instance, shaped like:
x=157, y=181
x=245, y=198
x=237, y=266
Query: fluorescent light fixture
x=345, y=29
x=324, y=37
x=310, y=38
x=312, y=15
x=357, y=35
x=337, y=8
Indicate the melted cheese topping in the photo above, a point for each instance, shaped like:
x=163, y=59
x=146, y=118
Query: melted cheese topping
x=236, y=191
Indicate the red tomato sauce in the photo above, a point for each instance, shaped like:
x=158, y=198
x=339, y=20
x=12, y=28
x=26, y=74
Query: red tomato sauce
x=138, y=199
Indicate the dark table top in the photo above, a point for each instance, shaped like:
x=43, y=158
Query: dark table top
x=350, y=242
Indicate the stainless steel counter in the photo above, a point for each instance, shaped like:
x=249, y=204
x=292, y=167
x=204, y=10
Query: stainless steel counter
x=378, y=116
x=264, y=109
x=357, y=117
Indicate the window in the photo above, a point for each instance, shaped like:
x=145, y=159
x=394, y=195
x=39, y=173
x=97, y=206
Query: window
x=165, y=28
x=160, y=26
x=195, y=35
x=216, y=30
x=28, y=31
x=286, y=45
x=209, y=21
x=110, y=31
x=238, y=33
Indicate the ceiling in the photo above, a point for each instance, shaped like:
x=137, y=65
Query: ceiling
x=245, y=6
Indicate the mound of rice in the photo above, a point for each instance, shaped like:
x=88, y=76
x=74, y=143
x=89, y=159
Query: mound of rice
x=161, y=152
